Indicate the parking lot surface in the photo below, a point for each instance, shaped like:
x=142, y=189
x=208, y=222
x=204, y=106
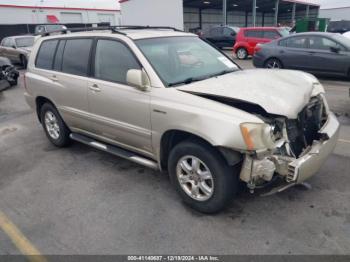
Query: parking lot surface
x=79, y=200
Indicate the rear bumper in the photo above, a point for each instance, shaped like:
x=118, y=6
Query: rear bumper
x=258, y=61
x=304, y=167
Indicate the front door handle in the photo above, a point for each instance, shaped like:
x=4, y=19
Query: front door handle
x=95, y=88
x=54, y=78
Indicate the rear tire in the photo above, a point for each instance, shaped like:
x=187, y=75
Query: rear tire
x=242, y=53
x=273, y=63
x=201, y=176
x=55, y=128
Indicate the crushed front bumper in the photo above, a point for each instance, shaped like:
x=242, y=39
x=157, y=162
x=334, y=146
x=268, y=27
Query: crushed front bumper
x=295, y=171
x=304, y=167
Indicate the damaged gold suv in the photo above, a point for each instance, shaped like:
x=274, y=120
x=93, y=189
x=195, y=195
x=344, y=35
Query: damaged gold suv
x=170, y=101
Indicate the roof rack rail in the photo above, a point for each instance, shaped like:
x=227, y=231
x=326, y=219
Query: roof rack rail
x=114, y=29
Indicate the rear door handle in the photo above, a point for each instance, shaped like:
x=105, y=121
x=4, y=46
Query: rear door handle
x=95, y=88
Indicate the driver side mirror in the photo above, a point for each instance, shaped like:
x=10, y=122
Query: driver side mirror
x=334, y=49
x=14, y=47
x=138, y=78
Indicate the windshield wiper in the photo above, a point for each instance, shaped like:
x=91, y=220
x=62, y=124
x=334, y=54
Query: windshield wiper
x=195, y=79
x=223, y=72
x=187, y=81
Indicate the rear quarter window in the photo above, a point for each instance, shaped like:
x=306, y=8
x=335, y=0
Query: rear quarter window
x=271, y=34
x=44, y=59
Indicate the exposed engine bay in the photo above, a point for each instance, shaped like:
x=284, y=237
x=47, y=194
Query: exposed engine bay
x=294, y=138
x=8, y=74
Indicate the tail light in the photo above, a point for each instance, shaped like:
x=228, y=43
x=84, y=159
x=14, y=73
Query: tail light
x=257, y=48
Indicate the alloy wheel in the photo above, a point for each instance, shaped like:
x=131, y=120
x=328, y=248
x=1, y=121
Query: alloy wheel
x=241, y=53
x=273, y=64
x=195, y=178
x=51, y=125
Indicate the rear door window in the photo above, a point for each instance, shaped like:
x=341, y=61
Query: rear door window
x=294, y=42
x=46, y=54
x=254, y=33
x=76, y=56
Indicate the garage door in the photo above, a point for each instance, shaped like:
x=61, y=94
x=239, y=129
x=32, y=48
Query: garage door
x=106, y=18
x=70, y=18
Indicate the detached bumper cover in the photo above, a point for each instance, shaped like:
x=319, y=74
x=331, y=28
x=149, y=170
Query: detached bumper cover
x=304, y=167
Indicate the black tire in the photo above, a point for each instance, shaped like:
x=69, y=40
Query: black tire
x=24, y=61
x=273, y=63
x=242, y=53
x=63, y=139
x=14, y=83
x=225, y=179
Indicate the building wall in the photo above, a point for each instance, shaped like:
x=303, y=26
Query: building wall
x=15, y=15
x=153, y=13
x=213, y=17
x=336, y=14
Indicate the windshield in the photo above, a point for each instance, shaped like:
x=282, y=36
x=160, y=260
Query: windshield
x=284, y=32
x=342, y=40
x=25, y=41
x=182, y=60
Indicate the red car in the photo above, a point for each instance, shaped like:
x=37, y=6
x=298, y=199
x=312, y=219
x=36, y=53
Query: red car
x=247, y=39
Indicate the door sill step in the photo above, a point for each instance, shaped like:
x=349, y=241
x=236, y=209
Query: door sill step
x=114, y=150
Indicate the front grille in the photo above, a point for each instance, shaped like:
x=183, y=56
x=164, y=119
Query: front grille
x=304, y=130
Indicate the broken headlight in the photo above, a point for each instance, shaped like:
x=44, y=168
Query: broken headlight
x=260, y=135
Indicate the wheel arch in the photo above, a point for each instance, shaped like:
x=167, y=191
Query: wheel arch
x=39, y=102
x=273, y=57
x=239, y=46
x=173, y=137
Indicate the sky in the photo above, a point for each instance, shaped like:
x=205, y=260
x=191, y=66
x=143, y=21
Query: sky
x=113, y=4
x=103, y=4
x=331, y=3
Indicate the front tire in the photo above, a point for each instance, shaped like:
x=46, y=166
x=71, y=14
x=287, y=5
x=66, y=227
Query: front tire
x=201, y=176
x=55, y=129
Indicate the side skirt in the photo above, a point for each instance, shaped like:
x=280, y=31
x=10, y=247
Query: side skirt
x=114, y=150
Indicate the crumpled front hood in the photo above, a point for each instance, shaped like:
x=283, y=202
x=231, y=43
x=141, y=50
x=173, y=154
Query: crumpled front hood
x=280, y=92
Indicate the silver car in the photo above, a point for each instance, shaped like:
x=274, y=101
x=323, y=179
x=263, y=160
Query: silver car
x=17, y=48
x=168, y=100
